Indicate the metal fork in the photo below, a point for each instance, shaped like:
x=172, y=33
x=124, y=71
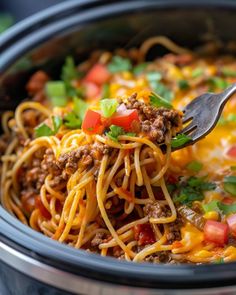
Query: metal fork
x=203, y=113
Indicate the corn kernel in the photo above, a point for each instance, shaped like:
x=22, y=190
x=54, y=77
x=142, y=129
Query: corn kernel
x=230, y=254
x=127, y=75
x=141, y=83
x=211, y=196
x=174, y=73
x=204, y=254
x=113, y=89
x=212, y=70
x=211, y=215
x=187, y=71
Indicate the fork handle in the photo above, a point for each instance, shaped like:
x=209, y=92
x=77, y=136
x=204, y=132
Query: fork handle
x=226, y=94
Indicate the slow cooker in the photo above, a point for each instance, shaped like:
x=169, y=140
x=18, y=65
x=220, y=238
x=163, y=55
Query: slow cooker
x=31, y=263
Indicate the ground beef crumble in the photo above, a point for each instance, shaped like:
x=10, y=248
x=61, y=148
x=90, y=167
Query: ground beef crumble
x=157, y=210
x=155, y=122
x=98, y=239
x=86, y=155
x=174, y=230
x=159, y=257
x=32, y=176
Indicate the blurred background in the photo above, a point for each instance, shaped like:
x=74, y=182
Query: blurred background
x=12, y=11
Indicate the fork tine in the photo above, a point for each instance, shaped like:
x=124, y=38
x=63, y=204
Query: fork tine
x=189, y=128
x=202, y=113
x=187, y=118
x=195, y=135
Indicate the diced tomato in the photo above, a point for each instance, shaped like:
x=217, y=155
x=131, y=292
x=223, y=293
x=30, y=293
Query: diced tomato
x=92, y=123
x=231, y=220
x=98, y=74
x=44, y=212
x=144, y=234
x=228, y=201
x=216, y=232
x=231, y=152
x=91, y=89
x=125, y=119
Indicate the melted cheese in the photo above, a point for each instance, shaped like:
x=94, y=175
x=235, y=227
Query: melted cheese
x=191, y=238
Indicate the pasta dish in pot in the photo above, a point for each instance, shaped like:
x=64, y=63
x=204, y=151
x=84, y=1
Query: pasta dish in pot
x=89, y=160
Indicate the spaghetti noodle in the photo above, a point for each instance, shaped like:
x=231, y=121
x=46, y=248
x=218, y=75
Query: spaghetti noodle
x=88, y=161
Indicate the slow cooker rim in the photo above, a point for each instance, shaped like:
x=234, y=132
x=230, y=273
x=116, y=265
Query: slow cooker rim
x=8, y=40
x=65, y=7
x=54, y=254
x=175, y=269
x=51, y=276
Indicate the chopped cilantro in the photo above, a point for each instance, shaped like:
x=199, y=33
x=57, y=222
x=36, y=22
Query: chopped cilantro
x=194, y=166
x=227, y=209
x=230, y=184
x=197, y=72
x=137, y=70
x=227, y=72
x=56, y=92
x=72, y=121
x=180, y=140
x=116, y=131
x=158, y=101
x=80, y=107
x=70, y=73
x=119, y=64
x=44, y=130
x=108, y=107
x=105, y=90
x=211, y=206
x=216, y=205
x=183, y=84
x=192, y=190
x=154, y=76
x=187, y=195
x=219, y=207
x=201, y=183
x=217, y=82
x=162, y=90
x=57, y=122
